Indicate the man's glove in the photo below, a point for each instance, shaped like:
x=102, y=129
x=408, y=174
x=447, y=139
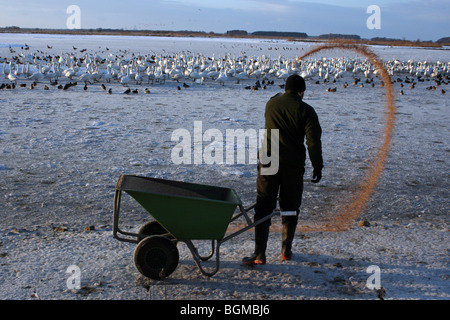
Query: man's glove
x=317, y=175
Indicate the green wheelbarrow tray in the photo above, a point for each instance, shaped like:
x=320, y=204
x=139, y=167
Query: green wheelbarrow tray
x=187, y=211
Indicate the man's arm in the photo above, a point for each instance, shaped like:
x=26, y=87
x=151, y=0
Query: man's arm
x=313, y=133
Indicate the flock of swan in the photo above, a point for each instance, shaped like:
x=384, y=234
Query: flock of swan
x=129, y=69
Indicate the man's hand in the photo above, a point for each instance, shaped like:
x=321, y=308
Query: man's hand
x=317, y=175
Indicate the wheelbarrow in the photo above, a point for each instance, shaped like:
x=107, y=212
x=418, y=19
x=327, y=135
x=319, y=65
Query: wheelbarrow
x=182, y=212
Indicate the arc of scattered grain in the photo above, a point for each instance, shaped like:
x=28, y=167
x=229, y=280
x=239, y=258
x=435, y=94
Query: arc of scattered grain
x=349, y=212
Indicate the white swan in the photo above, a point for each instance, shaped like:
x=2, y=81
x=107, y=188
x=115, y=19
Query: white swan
x=85, y=77
x=176, y=74
x=195, y=74
x=5, y=72
x=125, y=80
x=241, y=76
x=150, y=74
x=160, y=76
x=69, y=73
x=11, y=76
x=138, y=77
x=222, y=78
x=38, y=75
x=107, y=75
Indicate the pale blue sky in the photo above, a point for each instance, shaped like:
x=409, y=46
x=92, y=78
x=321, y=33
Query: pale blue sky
x=410, y=19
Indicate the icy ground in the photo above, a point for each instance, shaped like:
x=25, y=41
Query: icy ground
x=62, y=152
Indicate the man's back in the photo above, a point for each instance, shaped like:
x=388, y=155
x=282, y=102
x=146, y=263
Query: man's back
x=295, y=119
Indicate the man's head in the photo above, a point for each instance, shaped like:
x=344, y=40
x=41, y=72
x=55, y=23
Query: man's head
x=295, y=83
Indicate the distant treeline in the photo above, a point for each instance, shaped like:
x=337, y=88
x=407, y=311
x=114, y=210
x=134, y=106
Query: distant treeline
x=328, y=36
x=444, y=40
x=230, y=33
x=267, y=34
x=339, y=36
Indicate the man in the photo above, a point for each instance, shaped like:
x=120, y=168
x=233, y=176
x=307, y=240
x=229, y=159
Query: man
x=295, y=120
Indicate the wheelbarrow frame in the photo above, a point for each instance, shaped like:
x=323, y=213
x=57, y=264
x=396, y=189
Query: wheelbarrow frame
x=215, y=244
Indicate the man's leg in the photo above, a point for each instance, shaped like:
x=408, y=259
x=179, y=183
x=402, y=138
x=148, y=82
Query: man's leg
x=266, y=200
x=291, y=190
x=289, y=227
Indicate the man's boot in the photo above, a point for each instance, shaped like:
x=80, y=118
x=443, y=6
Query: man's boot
x=287, y=238
x=261, y=238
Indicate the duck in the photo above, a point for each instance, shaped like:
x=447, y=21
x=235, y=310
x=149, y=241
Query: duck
x=127, y=91
x=68, y=85
x=332, y=89
x=146, y=91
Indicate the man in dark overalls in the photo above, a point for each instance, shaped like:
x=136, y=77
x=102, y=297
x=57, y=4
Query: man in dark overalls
x=295, y=121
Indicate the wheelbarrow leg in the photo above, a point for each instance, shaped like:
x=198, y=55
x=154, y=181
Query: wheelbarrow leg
x=211, y=253
x=198, y=259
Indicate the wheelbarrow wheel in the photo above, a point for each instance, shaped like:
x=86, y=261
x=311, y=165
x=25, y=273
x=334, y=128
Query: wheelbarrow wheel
x=152, y=228
x=156, y=257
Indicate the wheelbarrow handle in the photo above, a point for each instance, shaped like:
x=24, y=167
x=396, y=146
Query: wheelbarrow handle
x=243, y=212
x=250, y=225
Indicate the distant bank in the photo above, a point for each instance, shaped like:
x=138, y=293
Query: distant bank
x=290, y=36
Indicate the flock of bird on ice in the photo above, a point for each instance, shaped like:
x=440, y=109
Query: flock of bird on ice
x=66, y=69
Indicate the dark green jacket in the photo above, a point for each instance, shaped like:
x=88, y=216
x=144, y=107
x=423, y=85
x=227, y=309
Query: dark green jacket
x=295, y=120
